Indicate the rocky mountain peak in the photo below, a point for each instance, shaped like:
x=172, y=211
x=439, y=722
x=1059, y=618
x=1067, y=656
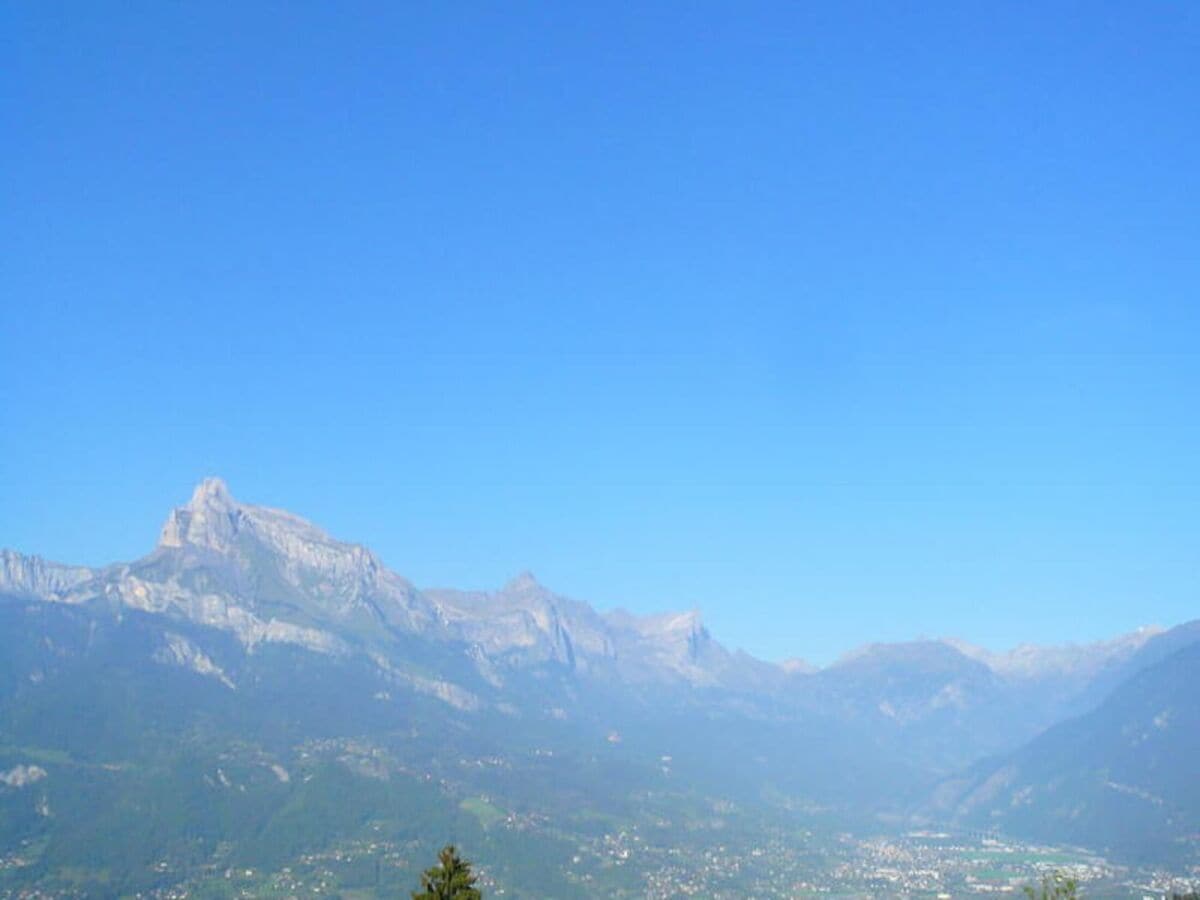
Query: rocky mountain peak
x=212, y=492
x=215, y=521
x=210, y=519
x=258, y=555
x=524, y=582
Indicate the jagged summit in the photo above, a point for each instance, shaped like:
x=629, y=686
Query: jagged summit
x=297, y=562
x=215, y=520
x=269, y=576
x=210, y=518
x=522, y=582
x=212, y=492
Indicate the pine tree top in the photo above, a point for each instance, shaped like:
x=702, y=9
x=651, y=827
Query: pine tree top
x=451, y=879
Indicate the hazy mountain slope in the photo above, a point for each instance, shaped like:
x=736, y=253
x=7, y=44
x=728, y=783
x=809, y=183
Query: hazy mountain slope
x=1124, y=776
x=907, y=682
x=926, y=700
x=134, y=751
x=139, y=748
x=945, y=703
x=1157, y=647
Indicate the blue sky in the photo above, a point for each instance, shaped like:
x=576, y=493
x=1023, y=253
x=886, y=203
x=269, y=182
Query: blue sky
x=840, y=322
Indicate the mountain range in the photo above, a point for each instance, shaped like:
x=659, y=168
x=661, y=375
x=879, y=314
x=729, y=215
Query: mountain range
x=248, y=639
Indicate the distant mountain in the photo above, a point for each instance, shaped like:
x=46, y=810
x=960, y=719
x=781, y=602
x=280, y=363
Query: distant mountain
x=909, y=681
x=252, y=670
x=945, y=703
x=1158, y=645
x=1124, y=777
x=1077, y=663
x=267, y=576
x=256, y=684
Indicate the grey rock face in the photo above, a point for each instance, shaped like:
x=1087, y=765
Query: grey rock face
x=179, y=651
x=673, y=643
x=210, y=520
x=264, y=575
x=268, y=576
x=526, y=623
x=32, y=576
x=331, y=577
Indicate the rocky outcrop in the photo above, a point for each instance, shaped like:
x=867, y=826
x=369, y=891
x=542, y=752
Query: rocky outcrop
x=330, y=578
x=32, y=576
x=675, y=645
x=22, y=776
x=525, y=623
x=179, y=651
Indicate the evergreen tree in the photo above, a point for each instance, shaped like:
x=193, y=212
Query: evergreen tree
x=451, y=879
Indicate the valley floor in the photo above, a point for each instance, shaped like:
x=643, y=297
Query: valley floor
x=623, y=864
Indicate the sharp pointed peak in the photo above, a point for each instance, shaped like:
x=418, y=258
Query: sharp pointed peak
x=522, y=581
x=212, y=491
x=207, y=519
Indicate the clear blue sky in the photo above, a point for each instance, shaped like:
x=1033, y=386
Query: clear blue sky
x=839, y=321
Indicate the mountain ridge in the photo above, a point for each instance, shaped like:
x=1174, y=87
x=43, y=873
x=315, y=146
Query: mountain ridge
x=268, y=575
x=271, y=578
x=213, y=520
x=249, y=633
